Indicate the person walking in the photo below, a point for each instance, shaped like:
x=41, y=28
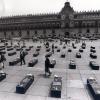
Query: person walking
x=22, y=56
x=47, y=44
x=47, y=66
x=2, y=59
x=53, y=48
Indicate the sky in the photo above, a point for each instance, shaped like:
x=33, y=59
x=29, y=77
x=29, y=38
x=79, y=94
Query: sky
x=20, y=7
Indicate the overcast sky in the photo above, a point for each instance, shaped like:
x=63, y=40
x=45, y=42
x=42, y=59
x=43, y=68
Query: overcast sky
x=17, y=7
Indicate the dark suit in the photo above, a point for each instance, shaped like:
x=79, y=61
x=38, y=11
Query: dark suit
x=47, y=66
x=22, y=57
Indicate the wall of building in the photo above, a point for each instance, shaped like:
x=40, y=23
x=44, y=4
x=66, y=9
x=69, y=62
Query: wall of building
x=83, y=32
x=13, y=34
x=75, y=32
x=1, y=34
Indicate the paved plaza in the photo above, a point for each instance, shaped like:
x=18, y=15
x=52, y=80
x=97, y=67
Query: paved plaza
x=73, y=80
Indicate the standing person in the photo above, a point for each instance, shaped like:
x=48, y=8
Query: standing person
x=47, y=44
x=66, y=41
x=2, y=59
x=53, y=48
x=47, y=66
x=22, y=56
x=72, y=44
x=60, y=41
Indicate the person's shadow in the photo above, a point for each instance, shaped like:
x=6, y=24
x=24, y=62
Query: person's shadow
x=43, y=75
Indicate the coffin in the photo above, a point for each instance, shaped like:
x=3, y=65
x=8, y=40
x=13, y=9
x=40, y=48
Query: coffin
x=14, y=62
x=2, y=49
x=52, y=63
x=27, y=49
x=2, y=75
x=78, y=55
x=25, y=84
x=74, y=47
x=9, y=49
x=2, y=46
x=63, y=55
x=94, y=65
x=56, y=87
x=83, y=46
x=94, y=88
x=23, y=47
x=58, y=50
x=48, y=49
x=32, y=62
x=18, y=49
x=11, y=53
x=3, y=52
x=64, y=47
x=36, y=54
x=92, y=47
x=80, y=50
x=93, y=55
x=30, y=47
x=48, y=54
x=38, y=46
x=38, y=49
x=56, y=47
x=92, y=50
x=69, y=50
x=9, y=46
x=72, y=65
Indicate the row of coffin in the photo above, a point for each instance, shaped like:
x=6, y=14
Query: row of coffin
x=31, y=63
x=92, y=84
x=92, y=64
x=9, y=48
x=56, y=86
x=25, y=83
x=72, y=64
x=78, y=55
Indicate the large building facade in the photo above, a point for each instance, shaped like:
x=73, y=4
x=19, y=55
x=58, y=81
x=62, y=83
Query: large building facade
x=66, y=23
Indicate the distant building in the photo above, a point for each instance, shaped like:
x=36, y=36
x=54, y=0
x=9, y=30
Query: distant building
x=66, y=23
